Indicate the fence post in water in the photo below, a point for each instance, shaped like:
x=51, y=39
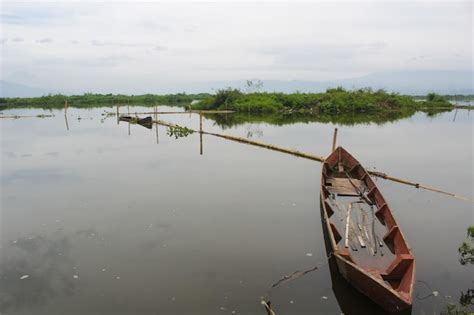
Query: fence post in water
x=118, y=115
x=65, y=114
x=200, y=131
x=156, y=119
x=334, y=137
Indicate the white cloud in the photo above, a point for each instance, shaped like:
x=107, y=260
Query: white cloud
x=110, y=45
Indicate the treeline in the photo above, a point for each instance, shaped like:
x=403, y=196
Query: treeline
x=336, y=100
x=101, y=100
x=333, y=101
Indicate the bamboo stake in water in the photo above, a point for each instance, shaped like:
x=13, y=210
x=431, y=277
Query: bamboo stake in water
x=200, y=133
x=65, y=114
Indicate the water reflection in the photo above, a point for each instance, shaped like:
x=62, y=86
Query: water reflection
x=281, y=119
x=34, y=270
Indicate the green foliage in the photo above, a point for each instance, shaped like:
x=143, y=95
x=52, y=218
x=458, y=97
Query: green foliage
x=100, y=100
x=465, y=307
x=179, y=132
x=466, y=250
x=336, y=100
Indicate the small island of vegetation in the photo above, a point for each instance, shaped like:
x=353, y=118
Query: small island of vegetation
x=333, y=101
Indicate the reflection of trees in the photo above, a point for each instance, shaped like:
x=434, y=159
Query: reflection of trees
x=48, y=264
x=280, y=119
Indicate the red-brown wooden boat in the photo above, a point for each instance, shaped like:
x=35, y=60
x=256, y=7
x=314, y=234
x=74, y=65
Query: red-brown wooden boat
x=364, y=238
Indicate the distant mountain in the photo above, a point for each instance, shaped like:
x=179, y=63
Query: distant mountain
x=404, y=82
x=10, y=89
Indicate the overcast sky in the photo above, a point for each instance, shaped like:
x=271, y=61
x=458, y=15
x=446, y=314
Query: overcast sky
x=99, y=46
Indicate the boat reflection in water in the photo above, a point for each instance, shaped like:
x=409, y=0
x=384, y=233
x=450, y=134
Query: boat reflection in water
x=351, y=301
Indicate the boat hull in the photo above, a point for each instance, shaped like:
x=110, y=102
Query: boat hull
x=370, y=283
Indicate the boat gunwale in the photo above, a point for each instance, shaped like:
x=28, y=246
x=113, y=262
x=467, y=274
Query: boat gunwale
x=337, y=252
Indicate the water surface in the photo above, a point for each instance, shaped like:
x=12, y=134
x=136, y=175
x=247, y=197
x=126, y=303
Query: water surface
x=104, y=219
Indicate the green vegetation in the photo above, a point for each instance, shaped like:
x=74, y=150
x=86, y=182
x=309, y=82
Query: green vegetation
x=466, y=250
x=333, y=101
x=100, y=100
x=466, y=300
x=179, y=132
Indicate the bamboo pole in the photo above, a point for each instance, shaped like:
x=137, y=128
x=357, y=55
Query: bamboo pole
x=156, y=118
x=417, y=185
x=26, y=116
x=177, y=113
x=334, y=137
x=316, y=158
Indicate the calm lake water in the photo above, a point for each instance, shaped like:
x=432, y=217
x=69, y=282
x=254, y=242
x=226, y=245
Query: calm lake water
x=95, y=220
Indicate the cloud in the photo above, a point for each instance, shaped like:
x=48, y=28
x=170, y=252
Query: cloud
x=44, y=41
x=160, y=48
x=118, y=44
x=18, y=39
x=3, y=41
x=122, y=42
x=95, y=62
x=190, y=28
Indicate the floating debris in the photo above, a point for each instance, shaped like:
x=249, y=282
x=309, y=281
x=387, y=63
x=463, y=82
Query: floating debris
x=103, y=269
x=324, y=297
x=292, y=302
x=24, y=277
x=75, y=276
x=309, y=254
x=435, y=293
x=222, y=308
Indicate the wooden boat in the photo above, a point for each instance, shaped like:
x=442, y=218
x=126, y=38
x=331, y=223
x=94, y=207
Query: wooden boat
x=145, y=122
x=365, y=240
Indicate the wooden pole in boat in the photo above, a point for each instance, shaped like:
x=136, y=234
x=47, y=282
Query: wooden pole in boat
x=334, y=137
x=348, y=220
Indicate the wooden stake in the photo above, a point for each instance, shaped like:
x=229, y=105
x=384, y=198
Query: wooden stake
x=65, y=115
x=200, y=133
x=334, y=137
x=156, y=118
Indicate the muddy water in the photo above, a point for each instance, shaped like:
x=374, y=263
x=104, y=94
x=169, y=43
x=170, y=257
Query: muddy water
x=107, y=218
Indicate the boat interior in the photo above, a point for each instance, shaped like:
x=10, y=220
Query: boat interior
x=363, y=227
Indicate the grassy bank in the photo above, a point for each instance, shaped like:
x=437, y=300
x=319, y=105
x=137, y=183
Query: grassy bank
x=336, y=100
x=333, y=101
x=100, y=100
